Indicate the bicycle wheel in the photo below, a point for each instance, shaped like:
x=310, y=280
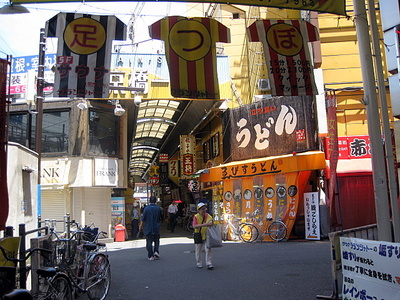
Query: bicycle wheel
x=60, y=288
x=248, y=232
x=189, y=226
x=98, y=277
x=277, y=231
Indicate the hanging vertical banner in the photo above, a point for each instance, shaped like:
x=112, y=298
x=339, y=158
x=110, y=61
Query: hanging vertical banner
x=84, y=53
x=188, y=158
x=311, y=216
x=334, y=154
x=290, y=67
x=3, y=144
x=191, y=54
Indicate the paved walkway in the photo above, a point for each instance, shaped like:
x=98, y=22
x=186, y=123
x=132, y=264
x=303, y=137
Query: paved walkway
x=288, y=270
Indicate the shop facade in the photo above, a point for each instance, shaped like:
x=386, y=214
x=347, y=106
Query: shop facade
x=270, y=158
x=263, y=190
x=83, y=188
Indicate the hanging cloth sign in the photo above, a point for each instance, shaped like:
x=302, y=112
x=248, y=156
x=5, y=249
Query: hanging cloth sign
x=191, y=54
x=84, y=53
x=286, y=51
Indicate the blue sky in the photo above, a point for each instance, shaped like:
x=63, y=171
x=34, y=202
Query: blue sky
x=19, y=33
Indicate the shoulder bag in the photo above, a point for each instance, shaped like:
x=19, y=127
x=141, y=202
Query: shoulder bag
x=214, y=239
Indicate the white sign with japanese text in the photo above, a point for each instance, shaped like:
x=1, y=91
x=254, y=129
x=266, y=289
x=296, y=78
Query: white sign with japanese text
x=311, y=216
x=371, y=269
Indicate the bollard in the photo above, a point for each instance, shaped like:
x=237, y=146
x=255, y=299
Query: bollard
x=39, y=224
x=54, y=224
x=22, y=253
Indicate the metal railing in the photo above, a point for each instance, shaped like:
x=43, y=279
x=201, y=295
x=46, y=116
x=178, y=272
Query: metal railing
x=368, y=232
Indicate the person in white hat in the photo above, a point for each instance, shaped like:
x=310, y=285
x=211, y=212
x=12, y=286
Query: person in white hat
x=201, y=221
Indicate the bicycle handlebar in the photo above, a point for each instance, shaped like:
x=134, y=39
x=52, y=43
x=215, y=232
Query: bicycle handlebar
x=26, y=257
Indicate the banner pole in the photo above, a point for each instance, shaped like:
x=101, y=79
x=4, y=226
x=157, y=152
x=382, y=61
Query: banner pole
x=373, y=119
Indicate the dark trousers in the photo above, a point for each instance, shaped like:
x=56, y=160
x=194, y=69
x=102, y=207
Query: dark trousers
x=172, y=222
x=150, y=239
x=135, y=228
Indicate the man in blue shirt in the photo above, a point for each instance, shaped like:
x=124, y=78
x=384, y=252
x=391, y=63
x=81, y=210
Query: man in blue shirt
x=151, y=218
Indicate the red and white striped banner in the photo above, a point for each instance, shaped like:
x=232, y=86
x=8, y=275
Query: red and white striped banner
x=191, y=54
x=290, y=68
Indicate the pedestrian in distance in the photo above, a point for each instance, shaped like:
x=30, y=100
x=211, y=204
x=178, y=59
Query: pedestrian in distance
x=151, y=219
x=172, y=214
x=201, y=221
x=135, y=221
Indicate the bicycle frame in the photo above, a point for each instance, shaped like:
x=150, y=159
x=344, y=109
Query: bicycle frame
x=229, y=225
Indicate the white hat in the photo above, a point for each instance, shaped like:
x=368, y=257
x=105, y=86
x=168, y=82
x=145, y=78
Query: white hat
x=200, y=205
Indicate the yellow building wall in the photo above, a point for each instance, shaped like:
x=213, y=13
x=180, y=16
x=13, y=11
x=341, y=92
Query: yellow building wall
x=342, y=70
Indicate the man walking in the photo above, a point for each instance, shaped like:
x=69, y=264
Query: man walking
x=172, y=214
x=151, y=218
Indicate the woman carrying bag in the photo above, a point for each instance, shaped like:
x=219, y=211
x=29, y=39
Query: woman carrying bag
x=201, y=221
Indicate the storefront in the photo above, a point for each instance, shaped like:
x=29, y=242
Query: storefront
x=271, y=158
x=81, y=187
x=268, y=188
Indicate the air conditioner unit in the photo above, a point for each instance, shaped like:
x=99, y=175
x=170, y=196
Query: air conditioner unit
x=261, y=97
x=264, y=84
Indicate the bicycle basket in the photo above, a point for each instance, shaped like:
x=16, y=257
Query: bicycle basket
x=90, y=234
x=63, y=252
x=7, y=279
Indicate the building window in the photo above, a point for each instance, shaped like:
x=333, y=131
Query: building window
x=55, y=130
x=55, y=134
x=18, y=129
x=103, y=133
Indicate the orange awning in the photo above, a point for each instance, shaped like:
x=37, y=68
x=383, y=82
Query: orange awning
x=311, y=160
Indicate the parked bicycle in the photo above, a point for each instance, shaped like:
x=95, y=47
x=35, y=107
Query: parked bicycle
x=86, y=267
x=232, y=226
x=189, y=221
x=276, y=231
x=249, y=230
x=53, y=284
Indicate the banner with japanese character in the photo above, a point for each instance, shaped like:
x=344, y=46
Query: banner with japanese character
x=269, y=127
x=370, y=269
x=84, y=53
x=3, y=144
x=188, y=155
x=191, y=54
x=286, y=50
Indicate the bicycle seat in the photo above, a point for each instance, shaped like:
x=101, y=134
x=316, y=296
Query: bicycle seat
x=90, y=247
x=18, y=295
x=46, y=272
